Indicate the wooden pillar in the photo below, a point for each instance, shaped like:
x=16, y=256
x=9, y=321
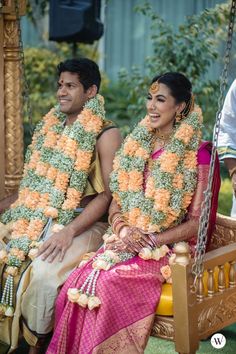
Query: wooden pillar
x=185, y=315
x=11, y=117
x=2, y=123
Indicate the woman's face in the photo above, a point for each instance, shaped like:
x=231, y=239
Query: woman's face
x=162, y=107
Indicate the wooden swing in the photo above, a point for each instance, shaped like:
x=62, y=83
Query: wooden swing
x=202, y=298
x=197, y=315
x=194, y=312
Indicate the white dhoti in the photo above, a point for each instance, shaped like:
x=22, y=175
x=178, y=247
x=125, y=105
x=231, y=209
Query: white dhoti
x=40, y=283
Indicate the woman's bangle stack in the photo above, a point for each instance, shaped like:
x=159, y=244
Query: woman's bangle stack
x=117, y=222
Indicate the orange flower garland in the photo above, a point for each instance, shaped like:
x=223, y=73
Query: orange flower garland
x=154, y=208
x=55, y=175
x=170, y=181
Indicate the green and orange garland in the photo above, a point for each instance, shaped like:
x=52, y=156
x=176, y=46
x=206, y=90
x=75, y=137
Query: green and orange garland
x=171, y=181
x=55, y=176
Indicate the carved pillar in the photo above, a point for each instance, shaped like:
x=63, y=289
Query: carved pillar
x=185, y=315
x=2, y=123
x=13, y=117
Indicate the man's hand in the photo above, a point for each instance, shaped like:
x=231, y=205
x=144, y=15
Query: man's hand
x=57, y=244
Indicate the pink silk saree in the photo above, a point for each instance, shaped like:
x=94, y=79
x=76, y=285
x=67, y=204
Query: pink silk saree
x=130, y=292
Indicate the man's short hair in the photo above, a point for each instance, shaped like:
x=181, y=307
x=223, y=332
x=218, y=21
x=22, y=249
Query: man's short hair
x=87, y=70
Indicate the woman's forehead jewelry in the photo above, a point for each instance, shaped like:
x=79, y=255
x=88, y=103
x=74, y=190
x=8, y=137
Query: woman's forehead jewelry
x=154, y=87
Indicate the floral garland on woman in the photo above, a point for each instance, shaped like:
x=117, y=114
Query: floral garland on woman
x=172, y=179
x=55, y=175
x=163, y=203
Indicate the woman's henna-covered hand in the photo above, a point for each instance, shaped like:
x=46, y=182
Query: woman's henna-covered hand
x=132, y=239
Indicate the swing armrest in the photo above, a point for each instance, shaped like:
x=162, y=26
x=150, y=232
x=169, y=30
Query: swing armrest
x=220, y=256
x=224, y=233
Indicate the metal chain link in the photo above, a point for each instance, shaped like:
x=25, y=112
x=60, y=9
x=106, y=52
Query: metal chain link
x=26, y=98
x=197, y=267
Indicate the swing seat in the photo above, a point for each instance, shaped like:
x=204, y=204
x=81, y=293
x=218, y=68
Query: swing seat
x=186, y=316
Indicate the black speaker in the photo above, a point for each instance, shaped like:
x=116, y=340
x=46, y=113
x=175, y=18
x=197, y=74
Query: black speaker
x=75, y=21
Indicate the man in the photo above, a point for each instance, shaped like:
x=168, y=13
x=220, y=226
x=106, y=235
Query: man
x=67, y=166
x=227, y=139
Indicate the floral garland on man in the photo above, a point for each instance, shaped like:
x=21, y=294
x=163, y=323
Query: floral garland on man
x=55, y=176
x=162, y=204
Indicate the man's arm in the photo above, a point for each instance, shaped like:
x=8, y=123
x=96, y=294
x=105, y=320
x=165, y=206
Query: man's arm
x=230, y=164
x=6, y=202
x=58, y=243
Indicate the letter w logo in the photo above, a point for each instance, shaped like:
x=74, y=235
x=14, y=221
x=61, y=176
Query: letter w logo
x=218, y=340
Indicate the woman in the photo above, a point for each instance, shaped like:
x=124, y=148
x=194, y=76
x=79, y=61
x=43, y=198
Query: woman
x=160, y=173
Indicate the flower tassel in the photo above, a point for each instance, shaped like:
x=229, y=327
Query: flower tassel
x=85, y=296
x=7, y=297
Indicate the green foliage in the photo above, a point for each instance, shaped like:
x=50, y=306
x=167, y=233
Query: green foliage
x=41, y=74
x=116, y=105
x=40, y=71
x=190, y=50
x=40, y=5
x=225, y=197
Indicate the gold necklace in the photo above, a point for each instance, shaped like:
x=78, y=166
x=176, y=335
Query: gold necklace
x=162, y=139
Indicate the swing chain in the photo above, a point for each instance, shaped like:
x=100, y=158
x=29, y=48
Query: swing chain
x=197, y=267
x=26, y=98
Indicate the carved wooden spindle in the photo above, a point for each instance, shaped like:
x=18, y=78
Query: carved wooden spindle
x=232, y=275
x=200, y=289
x=182, y=252
x=221, y=278
x=210, y=283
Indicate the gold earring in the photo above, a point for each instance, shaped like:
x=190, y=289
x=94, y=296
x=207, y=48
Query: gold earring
x=178, y=117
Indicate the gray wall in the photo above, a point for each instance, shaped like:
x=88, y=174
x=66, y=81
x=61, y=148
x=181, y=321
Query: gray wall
x=127, y=34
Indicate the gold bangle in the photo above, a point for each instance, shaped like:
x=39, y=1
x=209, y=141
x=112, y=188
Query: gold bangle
x=119, y=227
x=112, y=215
x=114, y=224
x=232, y=171
x=118, y=217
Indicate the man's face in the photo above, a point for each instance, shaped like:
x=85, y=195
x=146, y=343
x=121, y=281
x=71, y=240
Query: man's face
x=71, y=94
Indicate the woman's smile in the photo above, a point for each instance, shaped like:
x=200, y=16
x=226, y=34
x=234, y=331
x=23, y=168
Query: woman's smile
x=154, y=117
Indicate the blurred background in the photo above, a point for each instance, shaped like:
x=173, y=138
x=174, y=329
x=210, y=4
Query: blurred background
x=131, y=40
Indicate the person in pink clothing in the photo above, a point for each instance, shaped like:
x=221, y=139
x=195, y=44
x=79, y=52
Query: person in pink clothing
x=108, y=303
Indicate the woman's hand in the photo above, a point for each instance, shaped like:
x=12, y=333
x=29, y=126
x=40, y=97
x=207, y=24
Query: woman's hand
x=114, y=243
x=136, y=239
x=131, y=239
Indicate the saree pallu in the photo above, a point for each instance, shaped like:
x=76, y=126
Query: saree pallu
x=130, y=292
